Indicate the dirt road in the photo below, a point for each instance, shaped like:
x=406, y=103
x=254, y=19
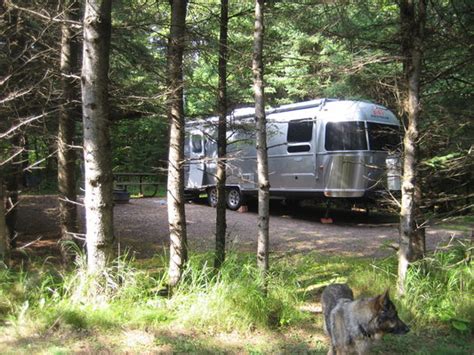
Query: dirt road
x=142, y=226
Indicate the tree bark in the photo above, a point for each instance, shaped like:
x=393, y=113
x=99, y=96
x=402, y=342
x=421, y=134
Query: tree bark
x=66, y=131
x=13, y=181
x=175, y=186
x=97, y=149
x=13, y=170
x=262, y=157
x=4, y=238
x=221, y=224
x=412, y=236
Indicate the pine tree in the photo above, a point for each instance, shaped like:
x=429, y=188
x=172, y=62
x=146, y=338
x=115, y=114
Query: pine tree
x=175, y=194
x=262, y=156
x=412, y=238
x=222, y=138
x=97, y=150
x=66, y=130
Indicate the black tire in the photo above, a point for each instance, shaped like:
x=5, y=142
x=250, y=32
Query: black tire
x=212, y=196
x=234, y=199
x=292, y=204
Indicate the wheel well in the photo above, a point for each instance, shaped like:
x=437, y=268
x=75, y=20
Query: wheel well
x=227, y=187
x=232, y=187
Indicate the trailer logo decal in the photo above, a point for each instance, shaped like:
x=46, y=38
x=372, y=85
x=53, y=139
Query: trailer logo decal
x=378, y=112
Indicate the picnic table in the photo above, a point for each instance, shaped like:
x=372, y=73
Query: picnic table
x=123, y=180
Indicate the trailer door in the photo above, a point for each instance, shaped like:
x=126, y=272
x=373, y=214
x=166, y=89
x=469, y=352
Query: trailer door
x=294, y=168
x=197, y=160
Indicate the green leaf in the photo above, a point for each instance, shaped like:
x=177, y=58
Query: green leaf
x=460, y=325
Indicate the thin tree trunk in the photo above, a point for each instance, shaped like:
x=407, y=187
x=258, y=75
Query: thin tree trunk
x=4, y=239
x=97, y=149
x=262, y=157
x=412, y=237
x=13, y=179
x=175, y=193
x=66, y=131
x=12, y=171
x=221, y=223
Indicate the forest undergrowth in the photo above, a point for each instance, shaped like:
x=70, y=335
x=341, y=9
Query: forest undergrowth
x=50, y=310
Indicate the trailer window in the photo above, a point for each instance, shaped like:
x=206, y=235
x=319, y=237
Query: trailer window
x=345, y=136
x=210, y=147
x=300, y=131
x=299, y=148
x=196, y=143
x=383, y=137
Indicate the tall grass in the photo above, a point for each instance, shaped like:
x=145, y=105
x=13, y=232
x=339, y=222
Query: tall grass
x=234, y=298
x=231, y=299
x=439, y=288
x=439, y=292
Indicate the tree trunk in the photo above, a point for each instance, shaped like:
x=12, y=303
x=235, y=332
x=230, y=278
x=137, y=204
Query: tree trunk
x=412, y=236
x=12, y=171
x=221, y=223
x=4, y=239
x=13, y=181
x=97, y=149
x=262, y=157
x=66, y=131
x=12, y=206
x=175, y=193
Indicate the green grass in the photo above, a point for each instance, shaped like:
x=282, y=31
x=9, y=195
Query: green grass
x=442, y=288
x=209, y=309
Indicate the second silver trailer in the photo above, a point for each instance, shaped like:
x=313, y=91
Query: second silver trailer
x=321, y=148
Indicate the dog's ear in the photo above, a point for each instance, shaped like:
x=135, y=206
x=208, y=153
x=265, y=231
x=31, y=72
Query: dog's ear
x=386, y=298
x=383, y=300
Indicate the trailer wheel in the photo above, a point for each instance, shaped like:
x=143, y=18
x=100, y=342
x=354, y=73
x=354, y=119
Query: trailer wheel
x=212, y=196
x=234, y=199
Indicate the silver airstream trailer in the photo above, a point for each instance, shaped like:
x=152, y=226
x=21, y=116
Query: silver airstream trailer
x=322, y=148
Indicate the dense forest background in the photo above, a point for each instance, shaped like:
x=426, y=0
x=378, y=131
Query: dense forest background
x=312, y=49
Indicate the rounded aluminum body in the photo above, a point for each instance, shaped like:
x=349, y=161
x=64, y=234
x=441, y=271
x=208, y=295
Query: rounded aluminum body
x=331, y=148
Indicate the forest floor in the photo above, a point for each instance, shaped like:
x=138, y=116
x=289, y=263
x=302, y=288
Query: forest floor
x=141, y=227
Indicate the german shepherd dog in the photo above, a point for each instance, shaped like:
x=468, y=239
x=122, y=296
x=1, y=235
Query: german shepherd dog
x=353, y=325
